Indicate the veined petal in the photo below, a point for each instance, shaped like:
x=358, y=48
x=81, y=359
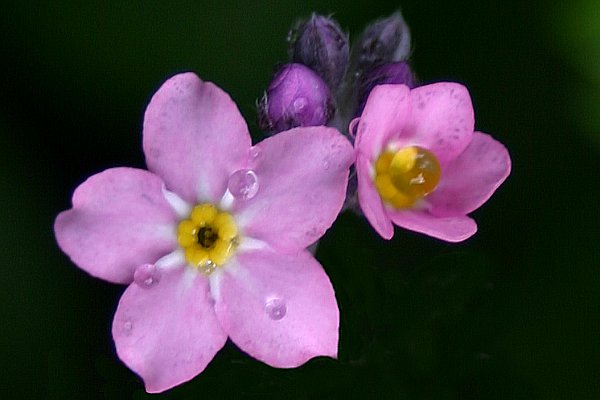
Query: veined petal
x=470, y=179
x=370, y=201
x=384, y=116
x=194, y=137
x=168, y=333
x=302, y=175
x=279, y=308
x=441, y=120
x=450, y=229
x=119, y=220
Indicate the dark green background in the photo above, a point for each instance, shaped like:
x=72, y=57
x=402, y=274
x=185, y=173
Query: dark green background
x=513, y=313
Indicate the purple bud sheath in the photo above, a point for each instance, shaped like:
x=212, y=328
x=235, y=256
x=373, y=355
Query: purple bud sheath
x=296, y=96
x=320, y=44
x=384, y=41
x=393, y=73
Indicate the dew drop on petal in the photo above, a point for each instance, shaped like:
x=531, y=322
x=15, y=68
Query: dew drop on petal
x=208, y=267
x=147, y=275
x=243, y=184
x=253, y=152
x=275, y=309
x=127, y=327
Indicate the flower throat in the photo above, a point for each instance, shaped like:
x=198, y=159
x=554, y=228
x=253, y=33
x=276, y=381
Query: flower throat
x=406, y=176
x=208, y=237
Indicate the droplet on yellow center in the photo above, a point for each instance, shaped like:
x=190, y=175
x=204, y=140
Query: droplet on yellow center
x=403, y=177
x=208, y=237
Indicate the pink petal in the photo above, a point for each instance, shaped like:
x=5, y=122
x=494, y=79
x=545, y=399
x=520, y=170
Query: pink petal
x=279, y=308
x=471, y=178
x=168, y=333
x=370, y=201
x=119, y=220
x=384, y=116
x=302, y=176
x=450, y=229
x=441, y=120
x=194, y=137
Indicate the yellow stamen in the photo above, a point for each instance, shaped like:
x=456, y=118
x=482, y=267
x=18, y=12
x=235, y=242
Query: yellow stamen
x=208, y=237
x=404, y=177
x=187, y=227
x=220, y=252
x=385, y=187
x=225, y=226
x=204, y=214
x=382, y=165
x=197, y=256
x=185, y=239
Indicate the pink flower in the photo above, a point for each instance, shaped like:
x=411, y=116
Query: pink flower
x=420, y=165
x=212, y=239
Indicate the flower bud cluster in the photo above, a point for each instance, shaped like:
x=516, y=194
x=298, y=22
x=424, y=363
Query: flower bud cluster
x=326, y=81
x=380, y=56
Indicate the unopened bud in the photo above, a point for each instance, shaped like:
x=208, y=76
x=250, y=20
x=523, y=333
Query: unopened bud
x=320, y=44
x=394, y=73
x=384, y=41
x=296, y=96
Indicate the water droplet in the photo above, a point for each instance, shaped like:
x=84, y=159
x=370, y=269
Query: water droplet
x=243, y=184
x=127, y=327
x=299, y=104
x=208, y=267
x=147, y=275
x=275, y=309
x=253, y=152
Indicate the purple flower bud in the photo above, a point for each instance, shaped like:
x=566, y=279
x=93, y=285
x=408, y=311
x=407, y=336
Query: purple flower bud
x=397, y=73
x=384, y=41
x=320, y=44
x=296, y=96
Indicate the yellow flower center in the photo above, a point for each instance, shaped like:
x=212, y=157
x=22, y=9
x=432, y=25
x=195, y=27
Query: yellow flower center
x=404, y=177
x=208, y=237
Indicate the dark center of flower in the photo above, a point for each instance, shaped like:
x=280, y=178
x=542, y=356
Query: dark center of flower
x=207, y=237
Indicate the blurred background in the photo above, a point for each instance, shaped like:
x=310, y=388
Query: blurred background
x=513, y=313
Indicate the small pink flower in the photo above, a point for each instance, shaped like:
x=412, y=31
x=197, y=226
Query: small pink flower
x=212, y=239
x=420, y=165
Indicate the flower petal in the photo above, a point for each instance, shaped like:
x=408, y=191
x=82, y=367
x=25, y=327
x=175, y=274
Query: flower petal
x=384, y=116
x=302, y=175
x=194, y=137
x=442, y=120
x=370, y=201
x=168, y=333
x=279, y=308
x=450, y=229
x=470, y=179
x=119, y=220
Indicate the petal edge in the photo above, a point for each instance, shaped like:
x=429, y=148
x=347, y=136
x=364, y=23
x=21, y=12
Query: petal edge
x=302, y=175
x=168, y=333
x=194, y=137
x=119, y=220
x=279, y=308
